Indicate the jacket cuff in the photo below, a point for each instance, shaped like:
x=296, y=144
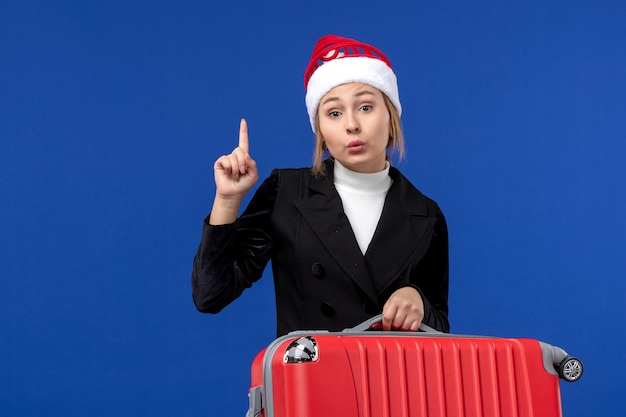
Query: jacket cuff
x=215, y=235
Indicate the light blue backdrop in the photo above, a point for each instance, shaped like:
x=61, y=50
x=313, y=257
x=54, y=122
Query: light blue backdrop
x=112, y=114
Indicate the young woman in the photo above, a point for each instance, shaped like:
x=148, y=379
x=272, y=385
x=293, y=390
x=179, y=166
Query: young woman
x=348, y=238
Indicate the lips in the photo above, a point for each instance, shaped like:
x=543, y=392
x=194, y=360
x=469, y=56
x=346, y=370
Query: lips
x=355, y=146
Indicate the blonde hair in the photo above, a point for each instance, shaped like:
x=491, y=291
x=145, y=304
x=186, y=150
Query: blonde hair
x=396, y=140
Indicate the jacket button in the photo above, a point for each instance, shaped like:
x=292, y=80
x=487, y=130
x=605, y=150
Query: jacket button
x=317, y=270
x=371, y=308
x=327, y=309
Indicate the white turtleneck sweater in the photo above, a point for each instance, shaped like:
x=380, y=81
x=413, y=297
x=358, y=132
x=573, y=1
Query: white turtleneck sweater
x=363, y=198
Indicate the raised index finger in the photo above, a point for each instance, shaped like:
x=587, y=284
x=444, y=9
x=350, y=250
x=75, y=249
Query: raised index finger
x=243, y=136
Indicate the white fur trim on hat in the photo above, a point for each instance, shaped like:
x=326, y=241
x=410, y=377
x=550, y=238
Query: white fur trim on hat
x=359, y=69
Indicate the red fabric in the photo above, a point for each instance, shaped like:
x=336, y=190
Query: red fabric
x=330, y=46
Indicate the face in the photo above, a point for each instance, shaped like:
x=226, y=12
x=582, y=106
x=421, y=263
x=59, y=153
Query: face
x=354, y=123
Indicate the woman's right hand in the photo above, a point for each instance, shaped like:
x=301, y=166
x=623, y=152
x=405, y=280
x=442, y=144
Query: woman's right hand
x=236, y=174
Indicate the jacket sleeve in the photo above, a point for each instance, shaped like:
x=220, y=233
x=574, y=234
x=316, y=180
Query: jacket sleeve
x=230, y=258
x=435, y=272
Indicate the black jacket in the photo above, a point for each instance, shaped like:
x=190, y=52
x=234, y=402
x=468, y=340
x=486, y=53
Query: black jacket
x=321, y=278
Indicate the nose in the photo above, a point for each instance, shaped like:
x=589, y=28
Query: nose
x=352, y=123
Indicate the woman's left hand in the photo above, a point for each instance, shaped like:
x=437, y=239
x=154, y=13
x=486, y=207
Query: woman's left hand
x=404, y=310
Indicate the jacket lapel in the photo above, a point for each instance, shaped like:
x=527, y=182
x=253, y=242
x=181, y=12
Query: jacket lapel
x=403, y=233
x=323, y=211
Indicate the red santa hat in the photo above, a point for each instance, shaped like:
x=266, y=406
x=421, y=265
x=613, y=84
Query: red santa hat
x=336, y=60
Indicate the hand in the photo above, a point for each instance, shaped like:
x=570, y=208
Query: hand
x=236, y=174
x=404, y=310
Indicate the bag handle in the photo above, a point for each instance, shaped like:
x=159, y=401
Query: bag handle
x=375, y=323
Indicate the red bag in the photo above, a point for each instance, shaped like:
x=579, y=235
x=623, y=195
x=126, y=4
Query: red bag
x=365, y=373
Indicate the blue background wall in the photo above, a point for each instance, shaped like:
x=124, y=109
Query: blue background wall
x=112, y=114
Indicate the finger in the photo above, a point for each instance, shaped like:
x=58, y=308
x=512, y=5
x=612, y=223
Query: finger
x=251, y=168
x=406, y=323
x=228, y=164
x=389, y=314
x=243, y=136
x=400, y=321
x=223, y=164
x=236, y=161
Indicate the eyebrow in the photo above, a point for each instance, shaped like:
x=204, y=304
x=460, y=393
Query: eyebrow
x=360, y=93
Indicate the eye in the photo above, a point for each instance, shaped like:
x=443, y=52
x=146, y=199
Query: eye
x=366, y=107
x=334, y=114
